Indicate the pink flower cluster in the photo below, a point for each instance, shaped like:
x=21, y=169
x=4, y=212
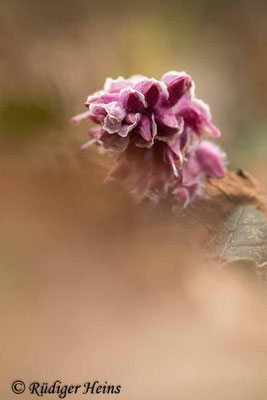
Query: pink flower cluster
x=155, y=127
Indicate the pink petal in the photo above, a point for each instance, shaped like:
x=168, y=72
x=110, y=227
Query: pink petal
x=150, y=90
x=210, y=158
x=177, y=88
x=167, y=123
x=191, y=173
x=144, y=128
x=116, y=85
x=77, y=118
x=133, y=101
x=125, y=129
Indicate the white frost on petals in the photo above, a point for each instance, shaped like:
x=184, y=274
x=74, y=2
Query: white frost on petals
x=126, y=128
x=171, y=138
x=115, y=85
x=139, y=94
x=169, y=76
x=175, y=167
x=112, y=110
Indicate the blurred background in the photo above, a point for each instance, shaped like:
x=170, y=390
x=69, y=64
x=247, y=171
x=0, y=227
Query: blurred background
x=54, y=53
x=88, y=289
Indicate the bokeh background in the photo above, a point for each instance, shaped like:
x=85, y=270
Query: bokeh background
x=89, y=290
x=54, y=53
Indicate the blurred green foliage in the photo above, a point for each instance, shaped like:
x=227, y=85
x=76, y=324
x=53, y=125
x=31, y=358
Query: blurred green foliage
x=248, y=142
x=29, y=116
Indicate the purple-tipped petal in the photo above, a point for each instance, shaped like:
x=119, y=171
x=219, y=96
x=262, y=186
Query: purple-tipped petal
x=144, y=128
x=170, y=76
x=196, y=115
x=191, y=118
x=210, y=158
x=150, y=90
x=133, y=101
x=147, y=131
x=177, y=88
x=167, y=123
